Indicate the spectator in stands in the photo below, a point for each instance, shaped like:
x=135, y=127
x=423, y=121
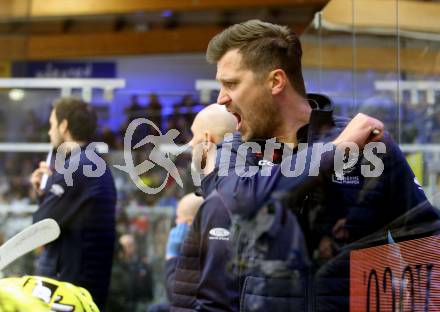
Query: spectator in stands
x=134, y=110
x=423, y=119
x=178, y=120
x=154, y=110
x=33, y=127
x=187, y=107
x=172, y=119
x=3, y=124
x=435, y=138
x=108, y=136
x=132, y=283
x=409, y=131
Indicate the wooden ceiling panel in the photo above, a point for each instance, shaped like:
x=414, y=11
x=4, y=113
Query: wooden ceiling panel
x=195, y=39
x=13, y=47
x=181, y=40
x=94, y=26
x=14, y=9
x=334, y=56
x=51, y=8
x=381, y=16
x=44, y=27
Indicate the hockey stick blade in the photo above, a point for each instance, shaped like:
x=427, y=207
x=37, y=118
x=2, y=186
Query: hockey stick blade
x=33, y=236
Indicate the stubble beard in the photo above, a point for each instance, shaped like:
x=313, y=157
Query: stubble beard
x=266, y=120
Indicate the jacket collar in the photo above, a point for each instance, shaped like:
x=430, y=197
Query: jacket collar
x=321, y=118
x=75, y=152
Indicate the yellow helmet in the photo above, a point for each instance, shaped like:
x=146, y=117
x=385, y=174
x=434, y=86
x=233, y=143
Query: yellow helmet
x=52, y=294
x=14, y=299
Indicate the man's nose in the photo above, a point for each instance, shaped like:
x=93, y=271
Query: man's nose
x=223, y=98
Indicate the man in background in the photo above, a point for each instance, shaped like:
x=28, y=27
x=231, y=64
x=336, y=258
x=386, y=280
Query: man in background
x=186, y=211
x=132, y=279
x=84, y=207
x=200, y=280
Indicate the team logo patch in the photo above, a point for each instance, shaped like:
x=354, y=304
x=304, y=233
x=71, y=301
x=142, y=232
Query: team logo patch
x=219, y=234
x=265, y=162
x=57, y=190
x=353, y=180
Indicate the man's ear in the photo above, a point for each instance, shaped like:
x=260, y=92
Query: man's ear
x=207, y=140
x=64, y=126
x=277, y=81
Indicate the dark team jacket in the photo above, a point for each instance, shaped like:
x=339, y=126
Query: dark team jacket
x=319, y=201
x=207, y=277
x=367, y=203
x=324, y=127
x=85, y=212
x=371, y=206
x=199, y=279
x=202, y=281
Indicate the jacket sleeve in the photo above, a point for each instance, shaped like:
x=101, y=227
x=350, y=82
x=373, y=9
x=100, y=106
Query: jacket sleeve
x=170, y=269
x=394, y=200
x=60, y=201
x=406, y=196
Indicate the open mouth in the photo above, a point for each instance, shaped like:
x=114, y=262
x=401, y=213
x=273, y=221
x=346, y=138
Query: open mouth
x=238, y=121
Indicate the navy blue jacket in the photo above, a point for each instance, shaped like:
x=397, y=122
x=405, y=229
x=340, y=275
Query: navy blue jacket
x=368, y=205
x=200, y=280
x=207, y=277
x=170, y=271
x=319, y=202
x=85, y=212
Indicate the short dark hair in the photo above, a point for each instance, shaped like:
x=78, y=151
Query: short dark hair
x=81, y=117
x=263, y=47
